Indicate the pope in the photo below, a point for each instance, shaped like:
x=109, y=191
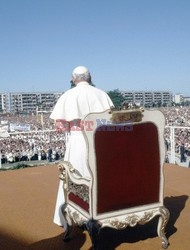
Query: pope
x=72, y=106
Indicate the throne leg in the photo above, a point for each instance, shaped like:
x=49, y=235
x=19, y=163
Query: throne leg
x=93, y=228
x=67, y=232
x=67, y=224
x=162, y=222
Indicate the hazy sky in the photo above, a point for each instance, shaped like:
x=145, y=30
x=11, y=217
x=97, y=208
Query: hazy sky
x=126, y=44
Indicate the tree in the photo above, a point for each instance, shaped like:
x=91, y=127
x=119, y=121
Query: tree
x=159, y=104
x=187, y=103
x=153, y=104
x=116, y=97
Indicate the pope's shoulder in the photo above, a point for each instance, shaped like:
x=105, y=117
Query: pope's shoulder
x=82, y=88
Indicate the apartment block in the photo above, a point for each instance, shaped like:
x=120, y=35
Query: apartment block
x=28, y=102
x=148, y=98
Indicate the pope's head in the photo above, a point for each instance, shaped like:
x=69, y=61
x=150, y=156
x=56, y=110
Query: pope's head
x=81, y=74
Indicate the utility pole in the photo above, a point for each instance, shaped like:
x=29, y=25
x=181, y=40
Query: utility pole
x=172, y=140
x=3, y=134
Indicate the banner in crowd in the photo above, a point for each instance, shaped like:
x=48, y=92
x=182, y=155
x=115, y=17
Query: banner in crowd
x=19, y=127
x=4, y=131
x=4, y=122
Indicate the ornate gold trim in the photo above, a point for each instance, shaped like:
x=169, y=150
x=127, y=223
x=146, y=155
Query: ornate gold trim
x=75, y=217
x=81, y=191
x=139, y=218
x=142, y=218
x=127, y=115
x=64, y=177
x=131, y=220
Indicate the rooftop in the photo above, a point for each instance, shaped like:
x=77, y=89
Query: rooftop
x=27, y=206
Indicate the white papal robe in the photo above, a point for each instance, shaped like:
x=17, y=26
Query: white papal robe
x=75, y=104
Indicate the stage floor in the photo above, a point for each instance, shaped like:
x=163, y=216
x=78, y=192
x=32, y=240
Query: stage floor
x=27, y=202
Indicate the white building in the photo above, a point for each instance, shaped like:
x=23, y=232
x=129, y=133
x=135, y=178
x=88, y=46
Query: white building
x=148, y=98
x=178, y=98
x=186, y=98
x=28, y=101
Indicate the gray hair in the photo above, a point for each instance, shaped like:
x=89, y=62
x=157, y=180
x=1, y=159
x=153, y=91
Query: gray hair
x=82, y=77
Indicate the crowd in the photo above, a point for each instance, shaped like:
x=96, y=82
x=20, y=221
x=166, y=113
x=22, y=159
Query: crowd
x=33, y=146
x=38, y=145
x=40, y=121
x=178, y=117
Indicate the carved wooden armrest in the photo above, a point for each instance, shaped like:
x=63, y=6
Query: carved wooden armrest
x=66, y=168
x=73, y=182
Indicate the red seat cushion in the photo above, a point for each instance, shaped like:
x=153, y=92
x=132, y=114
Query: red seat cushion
x=77, y=200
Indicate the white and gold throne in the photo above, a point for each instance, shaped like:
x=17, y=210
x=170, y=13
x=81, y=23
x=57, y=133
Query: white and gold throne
x=125, y=156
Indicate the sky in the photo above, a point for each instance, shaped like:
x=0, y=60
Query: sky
x=126, y=44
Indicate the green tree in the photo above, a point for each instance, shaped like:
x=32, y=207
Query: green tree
x=116, y=97
x=187, y=103
x=159, y=104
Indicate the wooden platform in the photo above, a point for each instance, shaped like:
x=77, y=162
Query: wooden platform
x=27, y=201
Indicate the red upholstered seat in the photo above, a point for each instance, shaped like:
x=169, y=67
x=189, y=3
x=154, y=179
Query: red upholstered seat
x=128, y=167
x=78, y=201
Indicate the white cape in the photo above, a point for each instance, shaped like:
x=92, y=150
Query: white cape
x=75, y=104
x=80, y=101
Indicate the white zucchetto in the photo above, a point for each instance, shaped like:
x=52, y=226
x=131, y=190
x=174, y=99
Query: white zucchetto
x=80, y=70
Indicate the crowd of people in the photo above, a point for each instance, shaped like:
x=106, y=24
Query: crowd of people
x=42, y=144
x=36, y=121
x=32, y=146
x=178, y=117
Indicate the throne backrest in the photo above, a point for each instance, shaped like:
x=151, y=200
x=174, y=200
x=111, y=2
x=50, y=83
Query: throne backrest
x=126, y=162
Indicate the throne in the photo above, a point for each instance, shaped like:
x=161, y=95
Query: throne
x=125, y=156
